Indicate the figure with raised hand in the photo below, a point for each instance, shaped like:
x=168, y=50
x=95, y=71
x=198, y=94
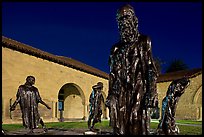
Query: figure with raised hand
x=28, y=98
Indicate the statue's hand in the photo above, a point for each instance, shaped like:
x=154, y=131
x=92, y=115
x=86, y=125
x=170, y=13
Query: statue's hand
x=12, y=108
x=107, y=103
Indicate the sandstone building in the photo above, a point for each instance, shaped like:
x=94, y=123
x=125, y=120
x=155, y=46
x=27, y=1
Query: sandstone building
x=62, y=79
x=57, y=78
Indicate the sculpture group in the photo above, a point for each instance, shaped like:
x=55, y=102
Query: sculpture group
x=132, y=87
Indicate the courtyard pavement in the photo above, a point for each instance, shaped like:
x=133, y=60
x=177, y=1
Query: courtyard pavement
x=56, y=131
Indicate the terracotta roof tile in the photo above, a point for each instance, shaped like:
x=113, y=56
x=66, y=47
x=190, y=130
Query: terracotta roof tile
x=69, y=62
x=179, y=74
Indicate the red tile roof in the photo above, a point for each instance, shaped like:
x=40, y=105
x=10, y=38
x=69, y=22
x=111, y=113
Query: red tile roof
x=69, y=62
x=179, y=74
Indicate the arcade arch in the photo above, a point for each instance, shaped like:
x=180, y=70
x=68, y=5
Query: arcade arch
x=71, y=102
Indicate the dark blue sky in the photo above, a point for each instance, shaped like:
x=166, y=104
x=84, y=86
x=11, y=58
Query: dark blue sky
x=86, y=31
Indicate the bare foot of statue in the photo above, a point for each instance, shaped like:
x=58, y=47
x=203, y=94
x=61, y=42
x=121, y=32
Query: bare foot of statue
x=30, y=132
x=45, y=129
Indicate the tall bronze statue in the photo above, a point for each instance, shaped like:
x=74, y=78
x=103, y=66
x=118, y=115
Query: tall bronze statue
x=132, y=78
x=95, y=108
x=28, y=98
x=167, y=124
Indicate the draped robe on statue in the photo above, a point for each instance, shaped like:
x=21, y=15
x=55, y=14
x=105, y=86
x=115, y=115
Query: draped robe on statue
x=167, y=124
x=131, y=89
x=28, y=97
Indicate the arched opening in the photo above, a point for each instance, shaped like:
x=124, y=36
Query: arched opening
x=71, y=102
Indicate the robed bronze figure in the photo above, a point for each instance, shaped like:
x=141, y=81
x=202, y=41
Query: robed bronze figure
x=28, y=98
x=132, y=78
x=167, y=124
x=95, y=108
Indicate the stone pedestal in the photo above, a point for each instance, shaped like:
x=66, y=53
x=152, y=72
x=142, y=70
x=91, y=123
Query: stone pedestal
x=90, y=133
x=93, y=132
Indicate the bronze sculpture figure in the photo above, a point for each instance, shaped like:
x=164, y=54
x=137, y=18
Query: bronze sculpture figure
x=167, y=124
x=28, y=98
x=95, y=109
x=132, y=78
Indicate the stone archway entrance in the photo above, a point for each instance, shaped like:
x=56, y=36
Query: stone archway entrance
x=71, y=102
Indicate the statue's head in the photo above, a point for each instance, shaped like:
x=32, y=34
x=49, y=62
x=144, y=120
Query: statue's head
x=30, y=80
x=179, y=86
x=182, y=84
x=99, y=85
x=127, y=24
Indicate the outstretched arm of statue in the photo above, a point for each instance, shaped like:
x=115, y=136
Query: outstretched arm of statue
x=40, y=100
x=12, y=107
x=43, y=103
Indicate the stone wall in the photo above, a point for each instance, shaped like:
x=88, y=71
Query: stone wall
x=50, y=78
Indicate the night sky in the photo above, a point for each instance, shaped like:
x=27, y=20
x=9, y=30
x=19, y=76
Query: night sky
x=86, y=31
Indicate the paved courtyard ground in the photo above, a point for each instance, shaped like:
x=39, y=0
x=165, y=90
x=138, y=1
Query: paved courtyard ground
x=55, y=131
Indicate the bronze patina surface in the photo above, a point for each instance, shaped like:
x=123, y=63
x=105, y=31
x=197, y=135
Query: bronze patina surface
x=132, y=78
